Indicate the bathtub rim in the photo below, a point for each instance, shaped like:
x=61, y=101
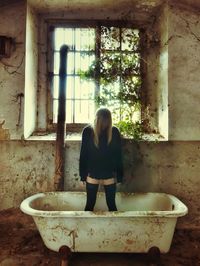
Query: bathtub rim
x=27, y=209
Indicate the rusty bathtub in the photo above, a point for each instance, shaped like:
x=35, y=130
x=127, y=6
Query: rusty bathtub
x=143, y=221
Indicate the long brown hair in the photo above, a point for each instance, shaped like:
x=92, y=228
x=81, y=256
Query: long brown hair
x=102, y=121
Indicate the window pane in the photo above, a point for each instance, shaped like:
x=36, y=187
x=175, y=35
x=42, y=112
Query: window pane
x=69, y=111
x=85, y=39
x=130, y=64
x=55, y=110
x=70, y=87
x=87, y=89
x=63, y=36
x=70, y=62
x=84, y=89
x=84, y=111
x=130, y=39
x=56, y=63
x=59, y=38
x=83, y=61
x=110, y=60
x=55, y=87
x=110, y=38
x=69, y=37
x=111, y=65
x=111, y=90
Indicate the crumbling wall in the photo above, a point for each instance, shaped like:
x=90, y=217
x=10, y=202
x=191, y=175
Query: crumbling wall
x=26, y=167
x=12, y=24
x=184, y=78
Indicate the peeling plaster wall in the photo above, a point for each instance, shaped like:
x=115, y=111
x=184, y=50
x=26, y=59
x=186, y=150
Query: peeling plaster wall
x=155, y=83
x=184, y=78
x=42, y=77
x=12, y=24
x=59, y=5
x=27, y=167
x=136, y=10
x=31, y=72
x=151, y=68
x=169, y=167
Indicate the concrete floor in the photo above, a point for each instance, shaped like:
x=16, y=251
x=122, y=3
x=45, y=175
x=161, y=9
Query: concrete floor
x=21, y=245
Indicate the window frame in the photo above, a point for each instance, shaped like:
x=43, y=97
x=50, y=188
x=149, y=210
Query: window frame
x=53, y=23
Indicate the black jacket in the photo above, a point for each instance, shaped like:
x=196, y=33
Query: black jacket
x=102, y=162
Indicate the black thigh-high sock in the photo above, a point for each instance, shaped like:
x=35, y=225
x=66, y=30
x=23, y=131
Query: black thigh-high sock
x=110, y=191
x=91, y=190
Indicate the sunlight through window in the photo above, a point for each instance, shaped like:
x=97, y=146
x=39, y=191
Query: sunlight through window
x=110, y=76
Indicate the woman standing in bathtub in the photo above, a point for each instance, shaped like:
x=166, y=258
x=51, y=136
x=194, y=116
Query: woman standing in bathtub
x=101, y=159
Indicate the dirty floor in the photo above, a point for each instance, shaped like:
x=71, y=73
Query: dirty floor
x=21, y=245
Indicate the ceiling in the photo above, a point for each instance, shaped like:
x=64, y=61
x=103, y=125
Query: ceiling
x=97, y=3
x=58, y=5
x=138, y=11
x=77, y=3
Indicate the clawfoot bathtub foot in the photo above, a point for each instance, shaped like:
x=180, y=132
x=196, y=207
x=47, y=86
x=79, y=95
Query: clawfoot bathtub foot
x=154, y=254
x=64, y=253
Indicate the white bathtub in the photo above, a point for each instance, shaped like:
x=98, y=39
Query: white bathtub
x=143, y=221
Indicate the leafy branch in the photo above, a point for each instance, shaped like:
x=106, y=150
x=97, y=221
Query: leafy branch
x=118, y=73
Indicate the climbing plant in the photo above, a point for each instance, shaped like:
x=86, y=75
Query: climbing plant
x=116, y=71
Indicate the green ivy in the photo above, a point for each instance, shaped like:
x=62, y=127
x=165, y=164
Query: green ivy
x=123, y=68
x=130, y=129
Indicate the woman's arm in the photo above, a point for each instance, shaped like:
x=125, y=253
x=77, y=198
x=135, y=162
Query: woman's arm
x=118, y=155
x=83, y=160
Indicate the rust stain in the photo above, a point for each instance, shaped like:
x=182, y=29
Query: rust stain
x=4, y=132
x=127, y=249
x=20, y=242
x=91, y=232
x=26, y=159
x=129, y=241
x=74, y=235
